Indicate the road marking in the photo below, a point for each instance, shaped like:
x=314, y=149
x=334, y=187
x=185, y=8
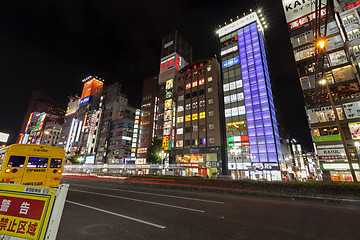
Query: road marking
x=138, y=200
x=155, y=194
x=117, y=214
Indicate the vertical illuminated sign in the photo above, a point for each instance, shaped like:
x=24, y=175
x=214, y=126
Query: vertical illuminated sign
x=168, y=114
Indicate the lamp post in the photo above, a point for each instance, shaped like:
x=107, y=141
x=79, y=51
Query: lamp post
x=162, y=156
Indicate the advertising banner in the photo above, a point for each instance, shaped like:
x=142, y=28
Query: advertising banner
x=352, y=110
x=332, y=154
x=25, y=211
x=300, y=12
x=327, y=138
x=73, y=106
x=355, y=130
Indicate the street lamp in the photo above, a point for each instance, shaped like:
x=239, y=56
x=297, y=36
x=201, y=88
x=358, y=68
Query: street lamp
x=162, y=156
x=322, y=54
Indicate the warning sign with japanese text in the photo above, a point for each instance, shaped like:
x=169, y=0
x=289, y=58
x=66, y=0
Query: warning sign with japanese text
x=25, y=211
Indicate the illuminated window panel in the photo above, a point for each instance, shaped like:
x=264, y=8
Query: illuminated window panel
x=201, y=81
x=187, y=86
x=180, y=108
x=179, y=131
x=209, y=79
x=195, y=116
x=187, y=118
x=202, y=115
x=194, y=84
x=180, y=119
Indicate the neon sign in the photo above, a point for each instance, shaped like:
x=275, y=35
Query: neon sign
x=176, y=60
x=350, y=6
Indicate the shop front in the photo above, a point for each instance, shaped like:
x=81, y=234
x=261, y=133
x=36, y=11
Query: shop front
x=341, y=171
x=204, y=165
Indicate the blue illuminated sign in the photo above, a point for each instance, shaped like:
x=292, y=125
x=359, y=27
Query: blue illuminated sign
x=84, y=100
x=231, y=62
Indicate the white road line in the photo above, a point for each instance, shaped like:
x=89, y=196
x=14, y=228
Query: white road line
x=155, y=194
x=139, y=200
x=117, y=214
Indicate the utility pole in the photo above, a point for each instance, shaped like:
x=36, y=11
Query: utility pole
x=320, y=57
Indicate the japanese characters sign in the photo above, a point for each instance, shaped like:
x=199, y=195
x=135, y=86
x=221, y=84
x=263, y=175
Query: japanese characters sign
x=301, y=12
x=25, y=213
x=352, y=110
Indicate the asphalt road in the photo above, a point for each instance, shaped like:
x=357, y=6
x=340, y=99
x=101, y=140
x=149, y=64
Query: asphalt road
x=108, y=210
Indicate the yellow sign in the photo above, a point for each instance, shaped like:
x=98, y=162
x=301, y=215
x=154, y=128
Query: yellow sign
x=25, y=211
x=165, y=143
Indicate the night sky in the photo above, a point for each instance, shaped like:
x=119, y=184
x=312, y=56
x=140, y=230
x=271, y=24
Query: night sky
x=50, y=46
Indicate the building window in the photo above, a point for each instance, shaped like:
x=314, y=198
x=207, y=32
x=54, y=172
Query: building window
x=202, y=103
x=209, y=79
x=194, y=94
x=212, y=140
x=187, y=96
x=201, y=81
x=195, y=116
x=187, y=118
x=209, y=68
x=180, y=119
x=202, y=115
x=194, y=84
x=181, y=88
x=187, y=129
x=181, y=98
x=195, y=128
x=210, y=101
x=201, y=92
x=211, y=113
x=181, y=78
x=188, y=86
x=187, y=142
x=179, y=131
x=195, y=142
x=211, y=126
x=210, y=90
x=203, y=141
x=194, y=105
x=180, y=108
x=188, y=106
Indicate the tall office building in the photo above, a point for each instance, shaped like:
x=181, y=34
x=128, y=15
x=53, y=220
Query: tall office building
x=147, y=117
x=40, y=103
x=197, y=118
x=81, y=127
x=157, y=109
x=252, y=136
x=340, y=67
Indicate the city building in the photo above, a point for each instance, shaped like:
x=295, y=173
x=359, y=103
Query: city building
x=156, y=108
x=40, y=103
x=252, y=138
x=197, y=118
x=42, y=128
x=116, y=128
x=80, y=130
x=147, y=118
x=338, y=71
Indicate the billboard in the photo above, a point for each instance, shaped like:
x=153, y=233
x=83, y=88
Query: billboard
x=93, y=88
x=298, y=13
x=355, y=130
x=4, y=137
x=73, y=106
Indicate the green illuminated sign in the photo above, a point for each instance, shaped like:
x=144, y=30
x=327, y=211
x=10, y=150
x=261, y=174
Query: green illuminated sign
x=328, y=138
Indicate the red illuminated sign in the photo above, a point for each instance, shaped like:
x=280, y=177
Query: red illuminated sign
x=350, y=6
x=170, y=62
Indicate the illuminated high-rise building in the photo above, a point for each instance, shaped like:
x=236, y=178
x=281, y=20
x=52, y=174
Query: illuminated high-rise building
x=81, y=127
x=252, y=136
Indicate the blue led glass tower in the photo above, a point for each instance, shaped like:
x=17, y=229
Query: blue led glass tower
x=253, y=143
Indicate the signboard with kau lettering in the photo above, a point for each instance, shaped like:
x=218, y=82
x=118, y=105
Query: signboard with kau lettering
x=25, y=211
